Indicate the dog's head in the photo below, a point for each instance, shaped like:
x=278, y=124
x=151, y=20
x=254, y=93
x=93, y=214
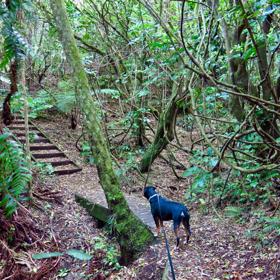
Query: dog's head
x=149, y=191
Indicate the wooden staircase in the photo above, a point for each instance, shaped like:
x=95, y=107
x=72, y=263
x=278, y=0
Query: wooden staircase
x=42, y=149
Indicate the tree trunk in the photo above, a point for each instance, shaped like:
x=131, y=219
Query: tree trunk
x=164, y=134
x=7, y=113
x=268, y=121
x=140, y=130
x=23, y=89
x=133, y=235
x=237, y=66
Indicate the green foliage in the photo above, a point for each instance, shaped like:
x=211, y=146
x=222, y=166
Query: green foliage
x=63, y=100
x=265, y=226
x=87, y=153
x=233, y=211
x=271, y=225
x=77, y=254
x=43, y=167
x=111, y=257
x=41, y=256
x=14, y=175
x=239, y=188
x=15, y=44
x=37, y=105
x=113, y=93
x=63, y=272
x=239, y=194
x=128, y=157
x=200, y=182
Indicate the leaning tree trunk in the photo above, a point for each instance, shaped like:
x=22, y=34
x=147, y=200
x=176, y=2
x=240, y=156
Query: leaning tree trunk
x=164, y=133
x=133, y=235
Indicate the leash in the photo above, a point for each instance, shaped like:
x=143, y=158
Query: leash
x=167, y=246
x=164, y=233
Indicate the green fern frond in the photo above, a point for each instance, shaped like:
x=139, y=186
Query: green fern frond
x=233, y=211
x=14, y=174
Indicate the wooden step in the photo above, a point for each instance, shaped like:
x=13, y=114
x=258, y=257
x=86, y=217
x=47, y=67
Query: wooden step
x=42, y=148
x=18, y=121
x=60, y=163
x=19, y=134
x=21, y=127
x=38, y=140
x=49, y=155
x=67, y=171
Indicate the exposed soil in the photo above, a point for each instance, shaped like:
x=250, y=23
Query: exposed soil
x=219, y=248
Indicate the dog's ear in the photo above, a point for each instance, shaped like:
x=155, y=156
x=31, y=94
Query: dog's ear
x=151, y=187
x=145, y=191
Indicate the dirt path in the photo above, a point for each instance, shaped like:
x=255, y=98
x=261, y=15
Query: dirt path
x=218, y=249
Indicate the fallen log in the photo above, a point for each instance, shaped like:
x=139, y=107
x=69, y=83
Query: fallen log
x=97, y=211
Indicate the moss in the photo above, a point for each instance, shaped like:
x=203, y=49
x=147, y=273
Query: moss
x=95, y=210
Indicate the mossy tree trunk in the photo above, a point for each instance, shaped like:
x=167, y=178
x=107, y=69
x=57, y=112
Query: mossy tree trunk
x=164, y=133
x=133, y=235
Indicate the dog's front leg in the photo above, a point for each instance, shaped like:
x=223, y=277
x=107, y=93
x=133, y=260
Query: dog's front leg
x=158, y=224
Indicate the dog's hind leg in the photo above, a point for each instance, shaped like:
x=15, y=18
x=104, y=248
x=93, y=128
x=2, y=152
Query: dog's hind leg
x=176, y=229
x=187, y=228
x=177, y=237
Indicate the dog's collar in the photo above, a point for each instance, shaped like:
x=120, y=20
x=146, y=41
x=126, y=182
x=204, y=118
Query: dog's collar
x=153, y=196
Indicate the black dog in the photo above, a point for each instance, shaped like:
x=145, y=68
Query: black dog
x=166, y=210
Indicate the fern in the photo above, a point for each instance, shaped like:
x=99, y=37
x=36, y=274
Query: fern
x=113, y=93
x=66, y=101
x=272, y=224
x=14, y=174
x=65, y=98
x=233, y=211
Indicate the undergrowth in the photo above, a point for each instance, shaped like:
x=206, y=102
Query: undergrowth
x=244, y=197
